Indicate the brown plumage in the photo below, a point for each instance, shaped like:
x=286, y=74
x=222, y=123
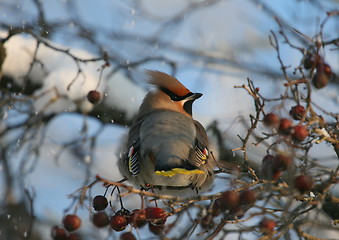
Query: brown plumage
x=164, y=80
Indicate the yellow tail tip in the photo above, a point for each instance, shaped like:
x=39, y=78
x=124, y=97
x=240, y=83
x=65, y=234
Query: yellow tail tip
x=174, y=171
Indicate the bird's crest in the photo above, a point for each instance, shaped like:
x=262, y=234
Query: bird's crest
x=168, y=82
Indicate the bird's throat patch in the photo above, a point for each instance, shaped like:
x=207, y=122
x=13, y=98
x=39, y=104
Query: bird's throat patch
x=174, y=171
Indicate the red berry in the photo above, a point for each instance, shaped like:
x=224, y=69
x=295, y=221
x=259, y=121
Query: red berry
x=100, y=203
x=283, y=162
x=285, y=126
x=157, y=215
x=118, y=222
x=73, y=236
x=269, y=168
x=320, y=79
x=156, y=229
x=271, y=120
x=127, y=236
x=71, y=222
x=58, y=233
x=303, y=183
x=247, y=197
x=297, y=112
x=138, y=218
x=229, y=200
x=93, y=96
x=267, y=225
x=100, y=219
x=299, y=133
x=324, y=67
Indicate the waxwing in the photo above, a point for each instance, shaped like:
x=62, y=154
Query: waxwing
x=166, y=150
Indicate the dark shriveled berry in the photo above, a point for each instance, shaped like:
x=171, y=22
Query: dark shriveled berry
x=311, y=60
x=100, y=203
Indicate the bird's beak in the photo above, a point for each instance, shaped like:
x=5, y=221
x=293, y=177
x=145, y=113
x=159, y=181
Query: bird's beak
x=194, y=96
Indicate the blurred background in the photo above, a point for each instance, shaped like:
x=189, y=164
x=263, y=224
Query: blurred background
x=53, y=140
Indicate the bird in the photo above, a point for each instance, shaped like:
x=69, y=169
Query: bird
x=166, y=150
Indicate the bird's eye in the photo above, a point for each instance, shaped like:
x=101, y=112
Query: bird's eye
x=173, y=96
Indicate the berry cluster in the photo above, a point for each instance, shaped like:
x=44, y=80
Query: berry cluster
x=234, y=202
x=71, y=223
x=323, y=75
x=155, y=217
x=285, y=126
x=273, y=166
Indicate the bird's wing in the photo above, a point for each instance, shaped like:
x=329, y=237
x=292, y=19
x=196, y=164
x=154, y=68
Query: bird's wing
x=199, y=153
x=133, y=156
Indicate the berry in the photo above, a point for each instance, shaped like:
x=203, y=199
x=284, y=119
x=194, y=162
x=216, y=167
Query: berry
x=58, y=233
x=247, y=197
x=285, y=126
x=271, y=120
x=299, y=133
x=156, y=229
x=138, y=218
x=229, y=200
x=118, y=222
x=267, y=225
x=71, y=222
x=320, y=79
x=324, y=67
x=94, y=96
x=269, y=168
x=157, y=215
x=297, y=112
x=282, y=162
x=303, y=183
x=100, y=219
x=73, y=236
x=127, y=236
x=100, y=203
x=311, y=60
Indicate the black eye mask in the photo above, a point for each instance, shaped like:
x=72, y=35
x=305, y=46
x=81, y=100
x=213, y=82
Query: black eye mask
x=175, y=97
